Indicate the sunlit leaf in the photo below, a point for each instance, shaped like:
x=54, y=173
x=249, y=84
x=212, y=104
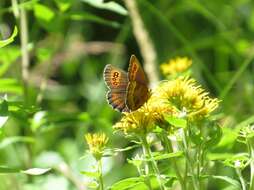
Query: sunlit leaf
x=3, y=120
x=111, y=5
x=90, y=174
x=177, y=122
x=93, y=185
x=240, y=160
x=85, y=16
x=126, y=148
x=168, y=155
x=63, y=5
x=38, y=120
x=49, y=159
x=10, y=85
x=7, y=57
x=5, y=169
x=10, y=39
x=36, y=171
x=43, y=12
x=229, y=180
x=127, y=183
x=10, y=140
x=219, y=156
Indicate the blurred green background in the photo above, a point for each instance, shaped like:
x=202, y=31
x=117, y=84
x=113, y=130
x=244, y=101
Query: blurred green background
x=63, y=97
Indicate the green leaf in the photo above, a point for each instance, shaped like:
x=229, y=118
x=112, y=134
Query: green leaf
x=5, y=169
x=38, y=120
x=177, y=122
x=93, y=185
x=43, y=12
x=10, y=39
x=3, y=113
x=3, y=120
x=168, y=155
x=127, y=183
x=10, y=140
x=36, y=171
x=8, y=55
x=126, y=148
x=80, y=16
x=229, y=180
x=91, y=174
x=10, y=85
x=240, y=160
x=111, y=6
x=4, y=108
x=63, y=5
x=219, y=156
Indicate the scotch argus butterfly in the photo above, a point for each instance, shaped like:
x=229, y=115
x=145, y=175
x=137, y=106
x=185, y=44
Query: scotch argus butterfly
x=127, y=91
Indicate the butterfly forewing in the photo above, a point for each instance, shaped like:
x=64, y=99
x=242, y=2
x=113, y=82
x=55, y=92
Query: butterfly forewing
x=117, y=82
x=115, y=78
x=135, y=71
x=137, y=90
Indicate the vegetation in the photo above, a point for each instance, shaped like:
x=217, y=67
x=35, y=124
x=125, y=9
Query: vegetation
x=195, y=131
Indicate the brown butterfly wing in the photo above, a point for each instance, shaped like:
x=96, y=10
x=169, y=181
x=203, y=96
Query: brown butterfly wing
x=137, y=90
x=135, y=71
x=117, y=82
x=137, y=95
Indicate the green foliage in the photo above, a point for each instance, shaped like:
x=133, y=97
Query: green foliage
x=10, y=39
x=111, y=5
x=47, y=106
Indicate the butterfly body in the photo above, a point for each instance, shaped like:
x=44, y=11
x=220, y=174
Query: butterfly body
x=127, y=91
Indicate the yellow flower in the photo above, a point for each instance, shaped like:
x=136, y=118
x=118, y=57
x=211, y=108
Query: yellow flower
x=144, y=119
x=187, y=97
x=159, y=110
x=176, y=66
x=96, y=143
x=139, y=121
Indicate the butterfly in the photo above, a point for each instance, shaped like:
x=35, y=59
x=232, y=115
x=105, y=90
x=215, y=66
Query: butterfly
x=127, y=91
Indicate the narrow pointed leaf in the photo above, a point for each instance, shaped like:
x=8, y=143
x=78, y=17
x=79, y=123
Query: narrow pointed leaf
x=10, y=39
x=36, y=171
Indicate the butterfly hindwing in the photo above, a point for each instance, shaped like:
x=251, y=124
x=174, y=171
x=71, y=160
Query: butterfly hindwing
x=137, y=95
x=117, y=82
x=117, y=100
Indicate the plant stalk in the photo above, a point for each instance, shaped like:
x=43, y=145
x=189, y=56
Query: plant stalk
x=100, y=179
x=169, y=149
x=153, y=163
x=239, y=173
x=24, y=51
x=251, y=154
x=189, y=162
x=147, y=178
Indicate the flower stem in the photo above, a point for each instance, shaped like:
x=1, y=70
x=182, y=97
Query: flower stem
x=147, y=178
x=251, y=152
x=239, y=173
x=169, y=149
x=101, y=185
x=24, y=51
x=189, y=162
x=153, y=163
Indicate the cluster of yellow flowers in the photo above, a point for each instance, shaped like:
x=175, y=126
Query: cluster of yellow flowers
x=143, y=120
x=97, y=143
x=181, y=97
x=176, y=66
